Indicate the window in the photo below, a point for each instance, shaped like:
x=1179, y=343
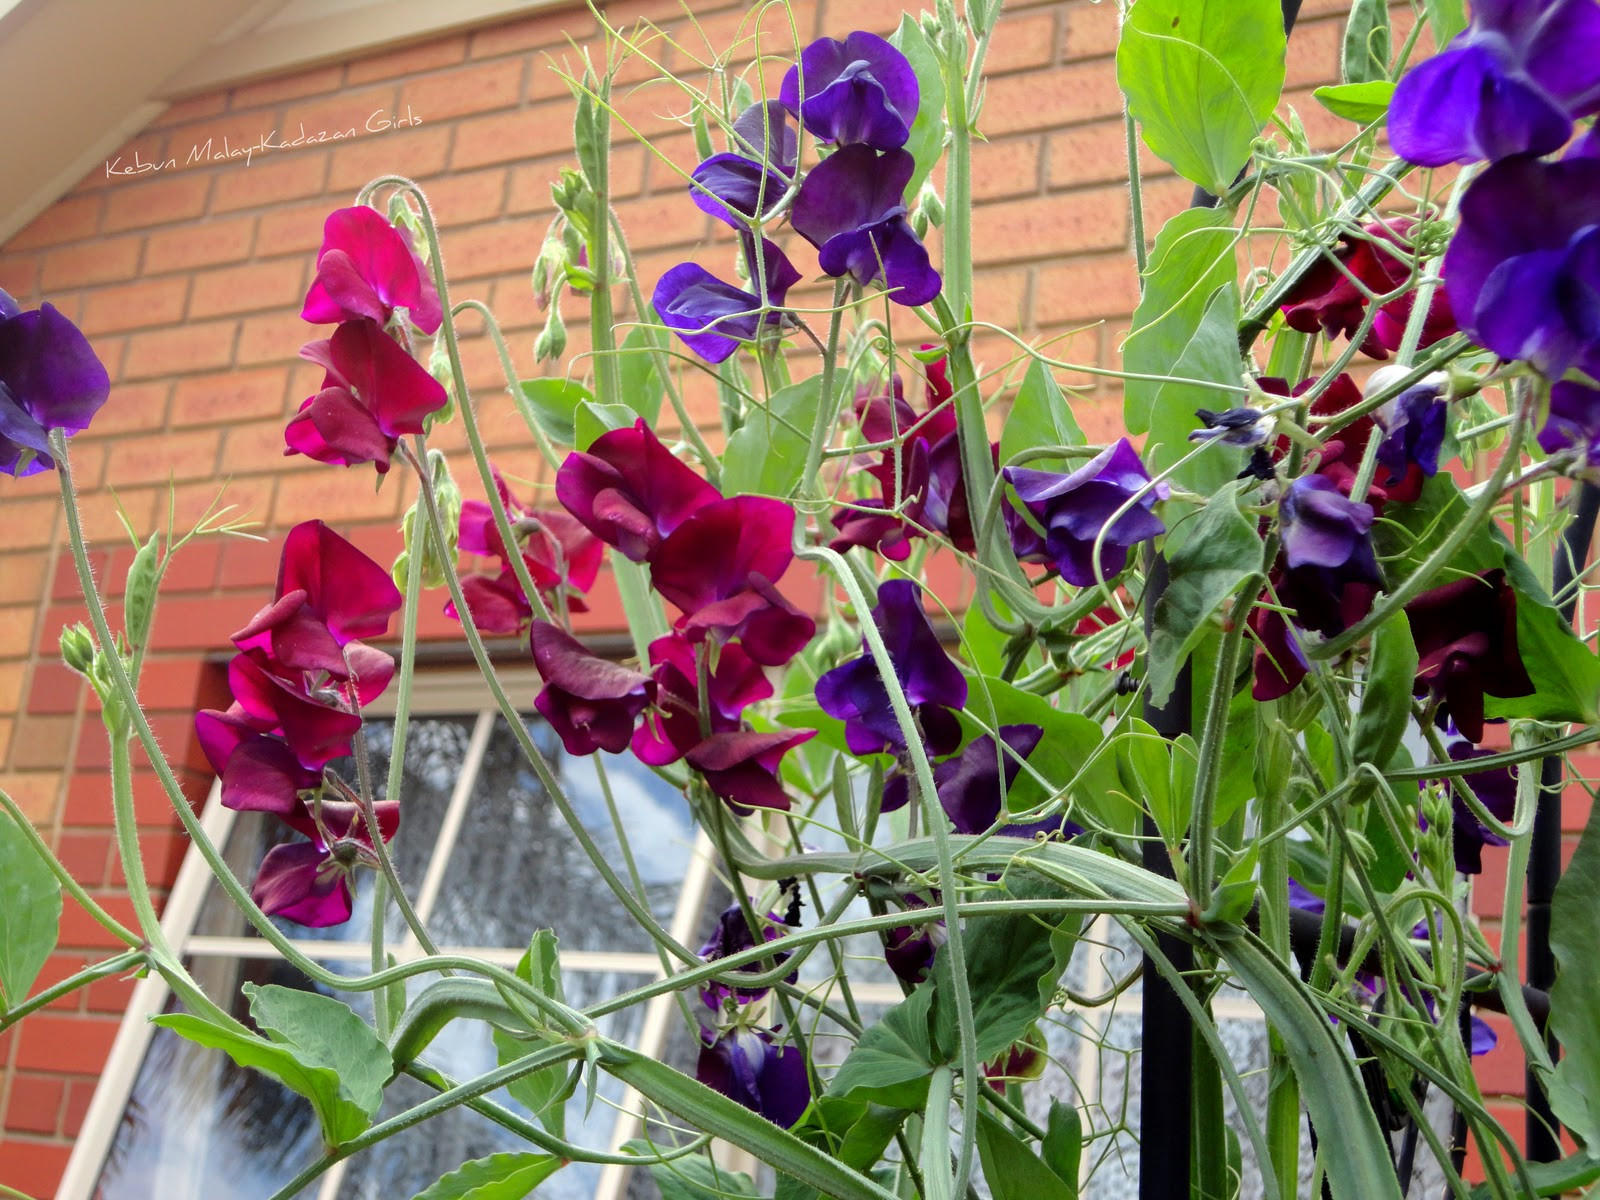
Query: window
x=486, y=860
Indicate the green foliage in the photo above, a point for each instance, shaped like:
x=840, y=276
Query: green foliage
x=1446, y=18
x=1386, y=694
x=891, y=1062
x=139, y=604
x=642, y=385
x=926, y=143
x=1040, y=416
x=542, y=1092
x=1015, y=1172
x=1144, y=772
x=694, y=1176
x=592, y=419
x=1202, y=77
x=554, y=404
x=1366, y=42
x=30, y=914
x=1574, y=1015
x=498, y=1177
x=1062, y=1147
x=1362, y=103
x=767, y=456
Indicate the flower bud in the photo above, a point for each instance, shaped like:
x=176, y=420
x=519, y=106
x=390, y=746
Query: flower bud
x=930, y=204
x=77, y=648
x=552, y=342
x=439, y=367
x=139, y=603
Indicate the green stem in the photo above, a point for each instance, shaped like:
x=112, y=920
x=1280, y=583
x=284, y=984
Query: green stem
x=938, y=1182
x=826, y=408
x=125, y=961
x=68, y=884
x=1208, y=772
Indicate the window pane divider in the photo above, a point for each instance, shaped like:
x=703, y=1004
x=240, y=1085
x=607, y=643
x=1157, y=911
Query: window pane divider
x=450, y=828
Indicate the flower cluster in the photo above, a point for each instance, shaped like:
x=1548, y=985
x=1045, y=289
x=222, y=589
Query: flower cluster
x=299, y=681
x=49, y=379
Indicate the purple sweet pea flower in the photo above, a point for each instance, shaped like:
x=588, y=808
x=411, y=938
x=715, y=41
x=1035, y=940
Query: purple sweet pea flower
x=367, y=268
x=673, y=729
x=1523, y=270
x=744, y=1065
x=1497, y=789
x=762, y=131
x=732, y=936
x=933, y=684
x=1466, y=635
x=851, y=207
x=1573, y=423
x=1304, y=899
x=970, y=788
x=1324, y=528
x=910, y=949
x=753, y=176
x=742, y=767
x=630, y=491
x=712, y=317
x=860, y=90
x=1075, y=509
x=591, y=702
x=1511, y=83
x=309, y=882
x=1415, y=423
x=721, y=567
x=49, y=379
x=259, y=772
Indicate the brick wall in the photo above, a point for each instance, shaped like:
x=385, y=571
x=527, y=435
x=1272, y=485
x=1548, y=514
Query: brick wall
x=189, y=281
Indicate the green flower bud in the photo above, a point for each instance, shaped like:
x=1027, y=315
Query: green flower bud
x=552, y=342
x=414, y=528
x=439, y=368
x=77, y=648
x=930, y=204
x=139, y=604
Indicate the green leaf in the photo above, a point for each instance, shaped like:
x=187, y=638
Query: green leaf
x=767, y=455
x=1552, y=1178
x=1366, y=43
x=1386, y=693
x=1211, y=354
x=1012, y=1170
x=1040, y=416
x=590, y=420
x=892, y=1060
x=341, y=1118
x=637, y=368
x=1362, y=103
x=30, y=914
x=1574, y=1015
x=1237, y=889
x=1446, y=17
x=852, y=1131
x=323, y=1032
x=498, y=1177
x=926, y=142
x=692, y=1177
x=1221, y=552
x=1062, y=1148
x=1144, y=770
x=1202, y=77
x=554, y=404
x=542, y=1092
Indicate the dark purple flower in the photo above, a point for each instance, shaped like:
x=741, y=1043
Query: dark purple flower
x=1511, y=83
x=732, y=936
x=934, y=686
x=591, y=702
x=1466, y=635
x=970, y=789
x=630, y=491
x=1235, y=427
x=259, y=773
x=721, y=567
x=309, y=882
x=852, y=209
x=762, y=132
x=713, y=317
x=49, y=379
x=1324, y=528
x=860, y=90
x=367, y=268
x=673, y=729
x=1523, y=270
x=1496, y=788
x=1077, y=509
x=372, y=393
x=1415, y=422
x=742, y=767
x=1304, y=899
x=754, y=175
x=744, y=1065
x=1324, y=600
x=910, y=949
x=1573, y=423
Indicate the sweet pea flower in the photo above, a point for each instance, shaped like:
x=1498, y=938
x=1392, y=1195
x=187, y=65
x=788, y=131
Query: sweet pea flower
x=934, y=687
x=735, y=186
x=1573, y=423
x=309, y=882
x=367, y=268
x=591, y=702
x=742, y=767
x=1466, y=635
x=712, y=317
x=1328, y=299
x=859, y=90
x=851, y=207
x=1523, y=270
x=732, y=936
x=1077, y=509
x=1511, y=83
x=49, y=379
x=1415, y=424
x=1496, y=788
x=734, y=683
x=970, y=788
x=1324, y=528
x=910, y=949
x=630, y=491
x=744, y=1065
x=1343, y=451
x=317, y=723
x=372, y=393
x=1304, y=899
x=259, y=772
x=1244, y=427
x=720, y=567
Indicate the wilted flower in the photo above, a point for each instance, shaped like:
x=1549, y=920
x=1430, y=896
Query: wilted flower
x=851, y=207
x=1573, y=423
x=1523, y=270
x=1511, y=83
x=859, y=90
x=309, y=882
x=742, y=767
x=1235, y=427
x=1466, y=635
x=367, y=268
x=713, y=317
x=1077, y=509
x=591, y=702
x=49, y=379
x=744, y=1065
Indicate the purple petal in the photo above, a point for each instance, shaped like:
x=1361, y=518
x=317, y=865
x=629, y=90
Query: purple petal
x=50, y=373
x=859, y=90
x=292, y=884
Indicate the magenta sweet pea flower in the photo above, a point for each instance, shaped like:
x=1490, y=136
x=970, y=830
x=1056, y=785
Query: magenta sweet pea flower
x=851, y=207
x=373, y=393
x=934, y=686
x=742, y=767
x=673, y=728
x=259, y=772
x=744, y=1065
x=630, y=491
x=732, y=936
x=1573, y=423
x=367, y=268
x=859, y=90
x=1523, y=270
x=1511, y=83
x=49, y=379
x=720, y=567
x=1077, y=509
x=712, y=317
x=1466, y=635
x=318, y=732
x=591, y=702
x=309, y=882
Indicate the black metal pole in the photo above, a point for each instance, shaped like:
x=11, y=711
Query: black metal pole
x=1543, y=1135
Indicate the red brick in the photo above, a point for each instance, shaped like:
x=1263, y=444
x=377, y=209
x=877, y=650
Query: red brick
x=230, y=396
x=1096, y=153
x=348, y=493
x=134, y=306
x=273, y=178
x=544, y=30
x=293, y=230
x=476, y=89
x=85, y=853
x=503, y=137
x=251, y=288
x=43, y=742
x=288, y=87
x=191, y=347
x=464, y=199
x=159, y=202
x=132, y=406
x=35, y=1103
x=88, y=803
x=55, y=689
x=80, y=1094
x=80, y=930
x=19, y=275
x=1009, y=167
x=1058, y=96
x=16, y=630
x=69, y=1045
x=34, y=1168
x=191, y=108
x=1085, y=290
x=411, y=60
x=11, y=686
x=1022, y=42
x=246, y=500
x=496, y=249
x=272, y=339
x=249, y=564
x=199, y=245
x=104, y=260
x=1062, y=224
x=23, y=579
x=189, y=623
x=415, y=151
x=1092, y=30
x=344, y=116
x=68, y=220
x=111, y=995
